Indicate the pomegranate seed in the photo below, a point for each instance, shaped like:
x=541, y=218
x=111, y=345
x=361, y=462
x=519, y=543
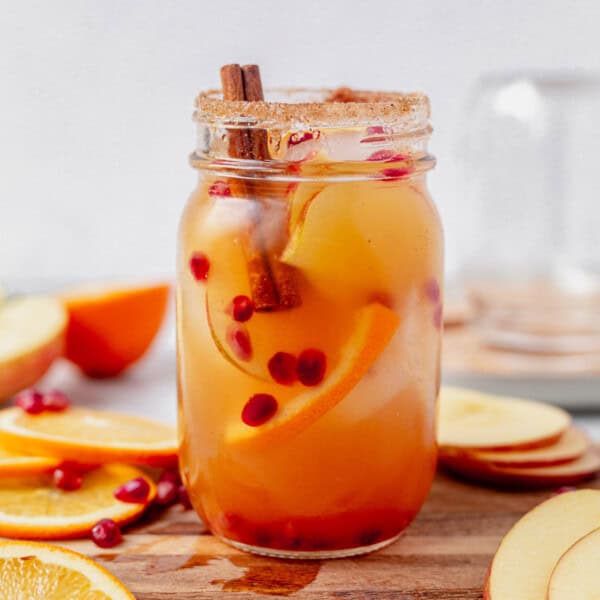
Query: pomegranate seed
x=31, y=401
x=303, y=136
x=259, y=409
x=171, y=475
x=438, y=316
x=282, y=366
x=395, y=173
x=242, y=308
x=564, y=489
x=311, y=366
x=239, y=341
x=166, y=492
x=375, y=130
x=106, y=534
x=135, y=491
x=432, y=291
x=380, y=156
x=55, y=401
x=199, y=266
x=67, y=479
x=220, y=189
x=183, y=497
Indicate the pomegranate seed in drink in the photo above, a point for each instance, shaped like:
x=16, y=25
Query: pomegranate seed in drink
x=183, y=497
x=395, y=173
x=106, y=534
x=135, y=491
x=282, y=367
x=311, y=366
x=55, y=401
x=67, y=478
x=380, y=156
x=375, y=130
x=303, y=136
x=31, y=401
x=242, y=308
x=259, y=409
x=239, y=342
x=166, y=492
x=219, y=189
x=199, y=266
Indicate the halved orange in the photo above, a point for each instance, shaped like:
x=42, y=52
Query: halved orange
x=111, y=327
x=89, y=436
x=38, y=571
x=33, y=508
x=15, y=464
x=376, y=325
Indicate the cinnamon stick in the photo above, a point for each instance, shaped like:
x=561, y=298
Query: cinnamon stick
x=273, y=284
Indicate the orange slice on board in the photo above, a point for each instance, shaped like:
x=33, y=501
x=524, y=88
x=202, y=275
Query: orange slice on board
x=32, y=331
x=33, y=508
x=111, y=328
x=89, y=436
x=376, y=325
x=14, y=464
x=38, y=571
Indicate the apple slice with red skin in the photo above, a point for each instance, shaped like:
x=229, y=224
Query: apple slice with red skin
x=576, y=574
x=471, y=420
x=569, y=473
x=571, y=445
x=526, y=557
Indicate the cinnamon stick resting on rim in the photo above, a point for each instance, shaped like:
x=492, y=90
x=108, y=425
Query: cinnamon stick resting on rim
x=273, y=284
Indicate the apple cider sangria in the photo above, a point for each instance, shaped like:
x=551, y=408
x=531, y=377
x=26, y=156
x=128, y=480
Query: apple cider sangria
x=309, y=320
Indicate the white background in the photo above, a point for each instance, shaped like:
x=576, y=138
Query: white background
x=96, y=96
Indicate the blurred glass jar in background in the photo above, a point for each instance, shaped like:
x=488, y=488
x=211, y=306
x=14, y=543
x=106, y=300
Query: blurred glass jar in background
x=531, y=248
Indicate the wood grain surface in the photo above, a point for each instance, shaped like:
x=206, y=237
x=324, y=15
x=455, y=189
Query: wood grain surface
x=443, y=555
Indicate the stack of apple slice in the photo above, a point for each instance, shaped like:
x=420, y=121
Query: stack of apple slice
x=551, y=553
x=511, y=441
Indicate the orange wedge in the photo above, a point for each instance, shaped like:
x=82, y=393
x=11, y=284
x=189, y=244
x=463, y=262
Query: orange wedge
x=111, y=328
x=376, y=325
x=33, y=508
x=37, y=571
x=89, y=436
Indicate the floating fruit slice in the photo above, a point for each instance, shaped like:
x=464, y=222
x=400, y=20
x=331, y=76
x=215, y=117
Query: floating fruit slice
x=524, y=561
x=38, y=571
x=111, y=328
x=474, y=420
x=31, y=336
x=252, y=343
x=375, y=327
x=33, y=508
x=576, y=574
x=89, y=436
x=571, y=445
x=566, y=474
x=14, y=464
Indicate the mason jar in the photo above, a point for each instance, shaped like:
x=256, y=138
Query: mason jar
x=309, y=316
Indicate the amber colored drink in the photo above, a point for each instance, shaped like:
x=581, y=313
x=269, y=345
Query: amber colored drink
x=307, y=428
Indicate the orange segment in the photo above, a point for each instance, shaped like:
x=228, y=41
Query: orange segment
x=37, y=571
x=32, y=507
x=109, y=329
x=89, y=436
x=376, y=326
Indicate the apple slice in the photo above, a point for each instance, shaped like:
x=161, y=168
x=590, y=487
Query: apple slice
x=473, y=420
x=531, y=477
x=576, y=574
x=32, y=331
x=376, y=325
x=571, y=445
x=523, y=563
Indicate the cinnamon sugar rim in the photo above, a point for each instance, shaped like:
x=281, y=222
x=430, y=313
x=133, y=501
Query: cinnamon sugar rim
x=341, y=107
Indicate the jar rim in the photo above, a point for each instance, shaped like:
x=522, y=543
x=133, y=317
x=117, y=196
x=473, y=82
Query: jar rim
x=316, y=107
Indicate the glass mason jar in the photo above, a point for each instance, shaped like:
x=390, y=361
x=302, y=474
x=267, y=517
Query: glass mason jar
x=309, y=321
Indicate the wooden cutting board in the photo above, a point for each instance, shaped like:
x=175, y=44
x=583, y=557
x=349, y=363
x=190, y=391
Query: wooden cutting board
x=444, y=555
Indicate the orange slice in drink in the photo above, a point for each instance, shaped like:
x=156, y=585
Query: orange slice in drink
x=38, y=571
x=376, y=325
x=111, y=328
x=89, y=436
x=33, y=508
